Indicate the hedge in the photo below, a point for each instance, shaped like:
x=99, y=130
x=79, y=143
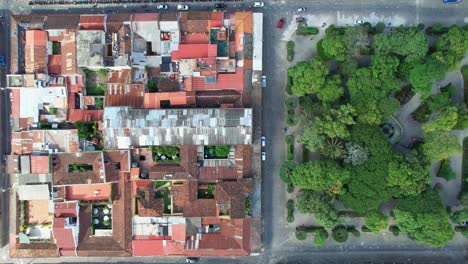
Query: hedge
x=300, y=234
x=354, y=231
x=365, y=229
x=395, y=230
x=290, y=188
x=320, y=237
x=340, y=234
x=286, y=168
x=291, y=120
x=304, y=30
x=290, y=49
x=291, y=103
x=289, y=139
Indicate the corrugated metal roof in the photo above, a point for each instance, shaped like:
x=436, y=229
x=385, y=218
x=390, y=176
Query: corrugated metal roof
x=124, y=127
x=34, y=192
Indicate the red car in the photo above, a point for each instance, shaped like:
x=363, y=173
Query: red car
x=280, y=23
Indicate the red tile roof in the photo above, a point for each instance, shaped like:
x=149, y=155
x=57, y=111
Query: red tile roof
x=196, y=38
x=178, y=232
x=88, y=192
x=40, y=164
x=63, y=237
x=65, y=209
x=68, y=53
x=55, y=64
x=194, y=51
x=35, y=51
x=92, y=22
x=148, y=248
x=233, y=81
x=15, y=102
x=118, y=94
x=153, y=100
x=140, y=17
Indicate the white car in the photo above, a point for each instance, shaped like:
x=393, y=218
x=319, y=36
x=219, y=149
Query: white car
x=263, y=81
x=358, y=22
x=263, y=141
x=301, y=9
x=161, y=7
x=263, y=155
x=182, y=7
x=259, y=4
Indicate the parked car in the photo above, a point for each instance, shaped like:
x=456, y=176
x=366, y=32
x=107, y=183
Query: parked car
x=451, y=1
x=358, y=22
x=161, y=7
x=300, y=19
x=259, y=4
x=220, y=6
x=263, y=141
x=301, y=9
x=263, y=81
x=192, y=260
x=182, y=7
x=280, y=23
x=2, y=61
x=263, y=155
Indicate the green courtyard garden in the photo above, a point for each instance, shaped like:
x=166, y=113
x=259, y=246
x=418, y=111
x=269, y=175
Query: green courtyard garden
x=340, y=104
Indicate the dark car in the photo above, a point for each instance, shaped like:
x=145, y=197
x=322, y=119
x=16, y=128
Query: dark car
x=280, y=23
x=300, y=19
x=2, y=61
x=451, y=1
x=220, y=6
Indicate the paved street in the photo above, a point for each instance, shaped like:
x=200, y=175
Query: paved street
x=279, y=244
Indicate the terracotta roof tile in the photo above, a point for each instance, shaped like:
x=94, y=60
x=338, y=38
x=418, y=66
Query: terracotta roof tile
x=35, y=51
x=61, y=22
x=148, y=248
x=65, y=209
x=148, y=204
x=55, y=64
x=153, y=100
x=40, y=164
x=88, y=192
x=62, y=161
x=92, y=22
x=200, y=208
x=140, y=17
x=194, y=51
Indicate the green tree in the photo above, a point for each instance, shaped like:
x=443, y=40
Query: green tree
x=331, y=90
x=222, y=151
x=407, y=179
x=285, y=171
x=320, y=175
x=356, y=40
x=445, y=121
x=334, y=46
x=422, y=76
x=348, y=67
x=424, y=218
x=320, y=237
x=321, y=205
x=308, y=77
x=376, y=221
x=440, y=145
x=355, y=154
x=334, y=122
x=312, y=139
x=333, y=149
x=451, y=47
x=438, y=102
x=367, y=187
x=445, y=171
x=408, y=42
x=460, y=217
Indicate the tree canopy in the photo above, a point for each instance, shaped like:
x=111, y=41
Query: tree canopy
x=320, y=175
x=451, y=47
x=440, y=145
x=406, y=178
x=376, y=221
x=321, y=205
x=424, y=218
x=308, y=77
x=445, y=121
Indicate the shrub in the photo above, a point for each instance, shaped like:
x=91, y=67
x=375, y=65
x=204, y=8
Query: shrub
x=290, y=218
x=395, y=230
x=365, y=229
x=289, y=139
x=446, y=171
x=320, y=237
x=340, y=234
x=291, y=103
x=304, y=30
x=300, y=234
x=437, y=28
x=422, y=113
x=102, y=72
x=290, y=188
x=291, y=120
x=290, y=204
x=290, y=49
x=286, y=169
x=379, y=27
x=421, y=26
x=289, y=85
x=320, y=52
x=290, y=152
x=376, y=221
x=354, y=231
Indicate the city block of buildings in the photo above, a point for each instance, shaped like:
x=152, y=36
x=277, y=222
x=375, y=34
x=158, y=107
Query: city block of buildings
x=133, y=134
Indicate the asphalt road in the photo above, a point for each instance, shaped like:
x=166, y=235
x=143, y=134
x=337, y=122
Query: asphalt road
x=279, y=245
